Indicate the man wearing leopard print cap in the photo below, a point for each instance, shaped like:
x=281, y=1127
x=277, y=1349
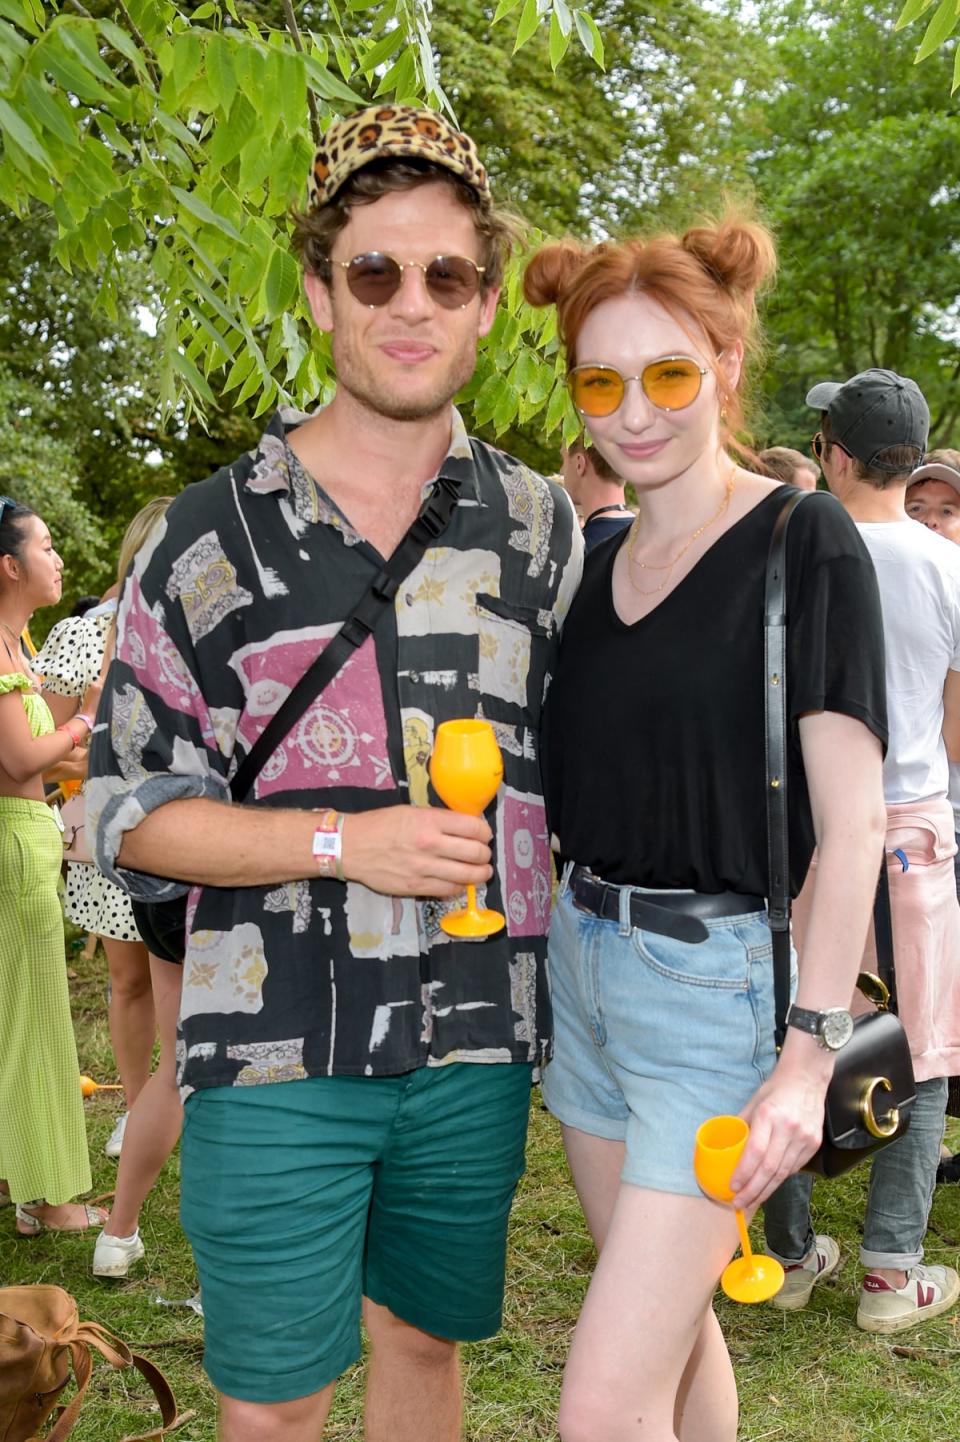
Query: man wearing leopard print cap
x=357, y=1082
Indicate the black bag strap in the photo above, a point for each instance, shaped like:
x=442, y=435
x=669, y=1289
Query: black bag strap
x=778, y=834
x=431, y=522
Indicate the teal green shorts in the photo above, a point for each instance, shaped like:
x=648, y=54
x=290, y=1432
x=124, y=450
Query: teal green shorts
x=300, y=1197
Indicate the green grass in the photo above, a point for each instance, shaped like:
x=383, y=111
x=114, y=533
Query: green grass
x=804, y=1377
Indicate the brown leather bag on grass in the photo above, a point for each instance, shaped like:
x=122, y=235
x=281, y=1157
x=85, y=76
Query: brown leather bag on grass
x=40, y=1331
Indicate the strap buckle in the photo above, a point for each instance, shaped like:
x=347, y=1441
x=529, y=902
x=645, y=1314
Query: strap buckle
x=355, y=630
x=385, y=586
x=437, y=508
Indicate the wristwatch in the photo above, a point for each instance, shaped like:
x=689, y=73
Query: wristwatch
x=833, y=1028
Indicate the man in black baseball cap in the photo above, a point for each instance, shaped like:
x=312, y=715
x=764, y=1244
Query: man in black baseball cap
x=877, y=418
x=873, y=437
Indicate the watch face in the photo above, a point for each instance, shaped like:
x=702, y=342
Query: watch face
x=836, y=1028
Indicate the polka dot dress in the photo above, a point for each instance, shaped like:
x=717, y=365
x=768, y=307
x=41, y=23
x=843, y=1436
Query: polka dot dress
x=94, y=904
x=69, y=661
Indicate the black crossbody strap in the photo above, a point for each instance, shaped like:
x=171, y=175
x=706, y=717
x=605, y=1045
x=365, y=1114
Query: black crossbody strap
x=432, y=520
x=775, y=746
x=778, y=834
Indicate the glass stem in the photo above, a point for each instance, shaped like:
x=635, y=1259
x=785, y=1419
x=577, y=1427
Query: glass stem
x=745, y=1247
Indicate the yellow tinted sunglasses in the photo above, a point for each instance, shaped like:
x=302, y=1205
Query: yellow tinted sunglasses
x=670, y=383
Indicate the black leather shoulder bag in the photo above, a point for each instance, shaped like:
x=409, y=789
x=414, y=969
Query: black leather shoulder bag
x=872, y=1091
x=162, y=924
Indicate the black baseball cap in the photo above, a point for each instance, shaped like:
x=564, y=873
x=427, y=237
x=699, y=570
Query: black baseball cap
x=873, y=412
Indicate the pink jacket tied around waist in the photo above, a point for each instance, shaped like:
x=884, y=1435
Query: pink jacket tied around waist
x=926, y=932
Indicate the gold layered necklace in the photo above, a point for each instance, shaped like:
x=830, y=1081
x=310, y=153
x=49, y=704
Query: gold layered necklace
x=649, y=566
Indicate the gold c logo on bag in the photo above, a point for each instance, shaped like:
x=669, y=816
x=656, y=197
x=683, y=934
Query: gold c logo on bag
x=887, y=1127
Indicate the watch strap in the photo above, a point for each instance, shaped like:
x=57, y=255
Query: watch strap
x=804, y=1019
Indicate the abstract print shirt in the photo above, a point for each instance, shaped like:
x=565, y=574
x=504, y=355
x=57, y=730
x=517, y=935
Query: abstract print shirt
x=234, y=595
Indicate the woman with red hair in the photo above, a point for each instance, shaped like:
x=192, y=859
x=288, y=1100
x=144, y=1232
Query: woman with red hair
x=660, y=952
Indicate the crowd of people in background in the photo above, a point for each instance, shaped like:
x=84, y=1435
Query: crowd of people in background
x=356, y=1082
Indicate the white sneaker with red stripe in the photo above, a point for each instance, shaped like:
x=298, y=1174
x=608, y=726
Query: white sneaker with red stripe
x=800, y=1278
x=928, y=1292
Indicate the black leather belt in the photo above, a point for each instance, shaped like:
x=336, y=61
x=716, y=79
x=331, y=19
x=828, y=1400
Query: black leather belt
x=678, y=914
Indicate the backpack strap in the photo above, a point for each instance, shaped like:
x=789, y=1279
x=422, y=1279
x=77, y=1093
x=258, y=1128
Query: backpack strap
x=118, y=1354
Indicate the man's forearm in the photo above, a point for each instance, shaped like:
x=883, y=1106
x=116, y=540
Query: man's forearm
x=210, y=843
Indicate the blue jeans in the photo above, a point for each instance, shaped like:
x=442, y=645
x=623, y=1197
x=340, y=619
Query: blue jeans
x=902, y=1178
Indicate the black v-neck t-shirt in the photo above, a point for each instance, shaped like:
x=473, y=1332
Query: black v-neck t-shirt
x=655, y=731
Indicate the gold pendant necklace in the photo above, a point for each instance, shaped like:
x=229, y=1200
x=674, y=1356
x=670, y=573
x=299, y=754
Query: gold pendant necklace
x=648, y=566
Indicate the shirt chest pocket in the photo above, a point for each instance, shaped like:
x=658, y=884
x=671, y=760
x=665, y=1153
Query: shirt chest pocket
x=513, y=644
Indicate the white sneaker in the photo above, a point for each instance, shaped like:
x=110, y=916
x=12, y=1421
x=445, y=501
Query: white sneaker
x=114, y=1256
x=927, y=1293
x=802, y=1277
x=115, y=1143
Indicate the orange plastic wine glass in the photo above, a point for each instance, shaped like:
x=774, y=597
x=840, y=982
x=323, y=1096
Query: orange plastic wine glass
x=466, y=769
x=717, y=1150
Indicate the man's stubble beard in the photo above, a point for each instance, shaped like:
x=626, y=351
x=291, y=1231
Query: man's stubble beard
x=371, y=394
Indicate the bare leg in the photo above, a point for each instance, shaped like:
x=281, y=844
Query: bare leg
x=131, y=1013
x=648, y=1359
x=298, y=1421
x=413, y=1382
x=155, y=1119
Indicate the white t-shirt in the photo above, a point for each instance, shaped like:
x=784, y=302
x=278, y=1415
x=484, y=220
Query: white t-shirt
x=919, y=576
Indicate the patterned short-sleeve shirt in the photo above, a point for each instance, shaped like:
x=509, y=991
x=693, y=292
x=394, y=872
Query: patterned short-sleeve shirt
x=235, y=593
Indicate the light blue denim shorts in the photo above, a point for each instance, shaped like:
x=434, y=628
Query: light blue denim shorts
x=652, y=1035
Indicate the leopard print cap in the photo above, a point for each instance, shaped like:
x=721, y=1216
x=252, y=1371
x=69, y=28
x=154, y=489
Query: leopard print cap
x=385, y=130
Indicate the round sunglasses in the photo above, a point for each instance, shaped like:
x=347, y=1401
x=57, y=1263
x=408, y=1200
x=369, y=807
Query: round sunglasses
x=670, y=383
x=374, y=279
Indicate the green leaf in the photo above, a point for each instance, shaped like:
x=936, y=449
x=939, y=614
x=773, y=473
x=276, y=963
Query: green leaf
x=112, y=134
x=14, y=126
x=529, y=20
x=327, y=85
x=203, y=12
x=293, y=94
x=175, y=127
x=383, y=49
x=589, y=35
x=220, y=70
x=192, y=376
x=251, y=384
x=282, y=282
x=912, y=11
x=557, y=408
x=401, y=79
x=956, y=71
x=239, y=371
x=187, y=58
x=79, y=37
x=220, y=341
x=198, y=208
x=504, y=8
x=72, y=76
x=53, y=112
x=121, y=41
x=564, y=15
x=21, y=14
x=267, y=398
x=232, y=133
x=940, y=27
x=558, y=41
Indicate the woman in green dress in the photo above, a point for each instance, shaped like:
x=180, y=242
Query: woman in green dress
x=43, y=1146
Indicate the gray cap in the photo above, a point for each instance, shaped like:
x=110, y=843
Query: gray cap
x=936, y=471
x=872, y=412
